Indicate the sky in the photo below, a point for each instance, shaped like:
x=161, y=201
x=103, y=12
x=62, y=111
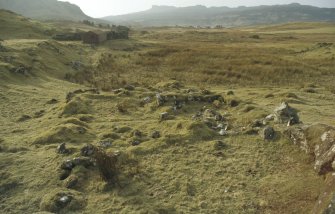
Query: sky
x=101, y=8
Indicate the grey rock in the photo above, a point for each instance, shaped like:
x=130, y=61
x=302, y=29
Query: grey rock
x=284, y=114
x=331, y=207
x=64, y=200
x=135, y=143
x=137, y=133
x=164, y=116
x=64, y=174
x=160, y=100
x=61, y=149
x=325, y=153
x=105, y=143
x=71, y=181
x=87, y=150
x=67, y=165
x=82, y=161
x=268, y=133
x=234, y=103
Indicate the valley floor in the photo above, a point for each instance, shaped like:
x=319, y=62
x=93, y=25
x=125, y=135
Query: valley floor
x=190, y=167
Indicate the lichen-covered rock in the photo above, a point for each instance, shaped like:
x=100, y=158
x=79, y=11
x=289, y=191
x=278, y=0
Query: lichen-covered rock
x=325, y=152
x=318, y=141
x=298, y=137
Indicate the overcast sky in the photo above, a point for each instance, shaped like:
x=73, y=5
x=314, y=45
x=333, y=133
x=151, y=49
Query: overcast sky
x=100, y=8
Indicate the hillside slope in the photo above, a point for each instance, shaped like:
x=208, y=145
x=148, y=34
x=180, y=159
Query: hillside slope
x=241, y=16
x=14, y=26
x=45, y=9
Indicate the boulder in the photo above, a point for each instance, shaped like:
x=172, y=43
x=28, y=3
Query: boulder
x=325, y=153
x=318, y=141
x=286, y=114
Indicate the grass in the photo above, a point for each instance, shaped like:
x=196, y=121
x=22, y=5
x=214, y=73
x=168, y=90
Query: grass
x=186, y=169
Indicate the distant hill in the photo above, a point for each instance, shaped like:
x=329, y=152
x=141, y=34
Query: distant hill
x=45, y=9
x=225, y=16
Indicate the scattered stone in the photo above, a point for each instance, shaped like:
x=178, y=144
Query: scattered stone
x=105, y=143
x=64, y=200
x=205, y=91
x=164, y=116
x=52, y=101
x=270, y=117
x=137, y=133
x=146, y=100
x=24, y=118
x=211, y=114
x=268, y=133
x=78, y=161
x=325, y=152
x=87, y=150
x=76, y=65
x=64, y=174
x=67, y=165
x=331, y=207
x=82, y=161
x=284, y=113
x=156, y=134
x=21, y=70
x=61, y=149
x=71, y=181
x=223, y=132
x=257, y=123
x=234, y=103
x=160, y=100
x=81, y=130
x=135, y=143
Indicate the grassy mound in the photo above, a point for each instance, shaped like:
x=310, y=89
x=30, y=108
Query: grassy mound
x=64, y=133
x=76, y=106
x=56, y=201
